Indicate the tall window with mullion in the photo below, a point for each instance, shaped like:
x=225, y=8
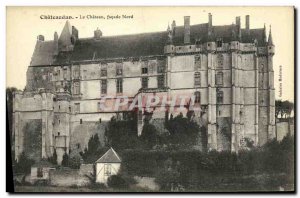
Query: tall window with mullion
x=160, y=81
x=219, y=78
x=103, y=86
x=119, y=85
x=145, y=82
x=197, y=79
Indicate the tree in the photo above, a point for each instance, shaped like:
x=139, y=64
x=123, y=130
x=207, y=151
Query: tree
x=283, y=108
x=93, y=151
x=65, y=160
x=149, y=135
x=24, y=164
x=116, y=181
x=122, y=134
x=53, y=159
x=183, y=131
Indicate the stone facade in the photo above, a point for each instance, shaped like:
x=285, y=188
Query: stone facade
x=229, y=69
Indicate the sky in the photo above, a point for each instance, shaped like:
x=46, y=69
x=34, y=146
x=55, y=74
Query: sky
x=24, y=25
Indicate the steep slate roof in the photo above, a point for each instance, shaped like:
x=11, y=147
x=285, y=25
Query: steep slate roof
x=109, y=157
x=43, y=53
x=136, y=45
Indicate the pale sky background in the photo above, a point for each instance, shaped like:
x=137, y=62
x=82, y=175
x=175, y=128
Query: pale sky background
x=24, y=24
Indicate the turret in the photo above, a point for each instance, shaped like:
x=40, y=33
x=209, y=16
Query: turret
x=270, y=44
x=55, y=39
x=210, y=36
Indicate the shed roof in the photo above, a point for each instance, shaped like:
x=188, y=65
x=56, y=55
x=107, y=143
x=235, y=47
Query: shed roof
x=109, y=157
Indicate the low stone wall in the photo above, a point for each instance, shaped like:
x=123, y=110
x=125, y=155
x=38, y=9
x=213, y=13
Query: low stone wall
x=68, y=177
x=283, y=128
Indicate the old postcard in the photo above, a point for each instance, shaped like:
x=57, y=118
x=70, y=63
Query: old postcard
x=151, y=99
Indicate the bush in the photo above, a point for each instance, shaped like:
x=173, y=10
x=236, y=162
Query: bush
x=116, y=181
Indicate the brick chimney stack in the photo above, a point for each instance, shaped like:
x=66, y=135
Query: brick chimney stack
x=187, y=30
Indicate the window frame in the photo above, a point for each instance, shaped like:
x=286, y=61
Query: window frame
x=103, y=86
x=119, y=85
x=197, y=79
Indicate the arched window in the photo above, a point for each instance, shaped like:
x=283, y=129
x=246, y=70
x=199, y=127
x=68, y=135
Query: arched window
x=197, y=97
x=197, y=79
x=220, y=60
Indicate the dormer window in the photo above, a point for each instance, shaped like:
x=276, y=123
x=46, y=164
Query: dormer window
x=119, y=70
x=219, y=42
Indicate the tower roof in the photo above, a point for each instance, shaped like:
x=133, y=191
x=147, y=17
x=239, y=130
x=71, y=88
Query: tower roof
x=270, y=39
x=109, y=157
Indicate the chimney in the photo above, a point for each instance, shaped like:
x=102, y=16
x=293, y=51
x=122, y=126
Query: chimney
x=238, y=21
x=40, y=38
x=97, y=34
x=247, y=22
x=187, y=30
x=209, y=20
x=55, y=37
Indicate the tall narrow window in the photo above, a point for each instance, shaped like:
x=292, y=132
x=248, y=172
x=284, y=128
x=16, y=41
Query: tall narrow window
x=219, y=42
x=197, y=97
x=144, y=82
x=65, y=73
x=197, y=79
x=160, y=81
x=219, y=78
x=103, y=86
x=120, y=85
x=119, y=69
x=140, y=117
x=197, y=62
x=220, y=60
x=160, y=69
x=145, y=70
x=76, y=73
x=103, y=72
x=76, y=88
x=107, y=169
x=77, y=108
x=219, y=97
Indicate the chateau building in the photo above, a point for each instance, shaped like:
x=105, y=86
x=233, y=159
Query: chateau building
x=228, y=69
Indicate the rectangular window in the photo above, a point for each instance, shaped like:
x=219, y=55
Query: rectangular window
x=84, y=74
x=76, y=74
x=119, y=70
x=39, y=172
x=107, y=169
x=65, y=73
x=103, y=72
x=77, y=108
x=144, y=82
x=219, y=78
x=99, y=106
x=76, y=88
x=197, y=62
x=103, y=86
x=119, y=85
x=197, y=79
x=219, y=97
x=219, y=42
x=144, y=70
x=160, y=69
x=161, y=81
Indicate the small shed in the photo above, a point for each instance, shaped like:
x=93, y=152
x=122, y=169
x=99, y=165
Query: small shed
x=107, y=165
x=40, y=171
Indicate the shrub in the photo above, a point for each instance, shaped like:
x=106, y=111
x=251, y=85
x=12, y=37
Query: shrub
x=116, y=181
